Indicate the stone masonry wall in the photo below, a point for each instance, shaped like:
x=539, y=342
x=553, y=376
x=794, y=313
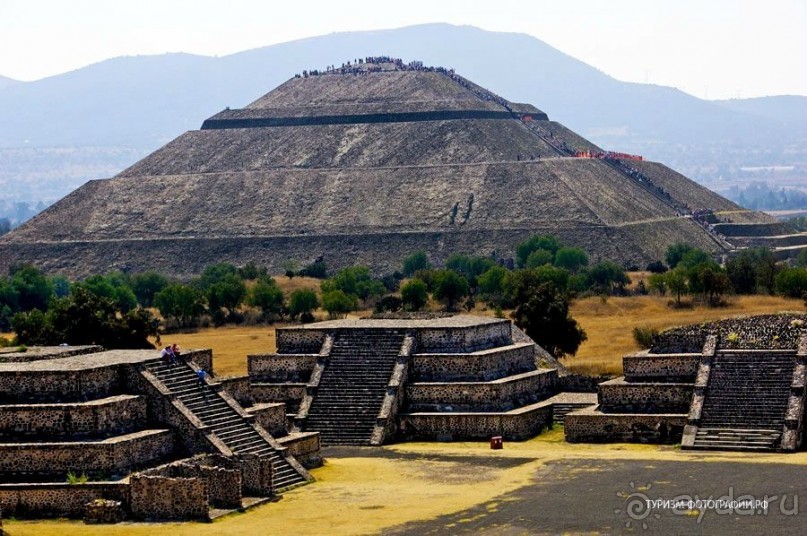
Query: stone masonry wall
x=159, y=497
x=300, y=341
x=485, y=365
x=587, y=426
x=238, y=387
x=466, y=339
x=499, y=395
x=515, y=425
x=281, y=367
x=116, y=415
x=616, y=396
x=289, y=393
x=664, y=367
x=58, y=386
x=57, y=500
x=110, y=456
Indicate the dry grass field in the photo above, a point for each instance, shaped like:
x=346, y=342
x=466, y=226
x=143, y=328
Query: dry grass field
x=609, y=324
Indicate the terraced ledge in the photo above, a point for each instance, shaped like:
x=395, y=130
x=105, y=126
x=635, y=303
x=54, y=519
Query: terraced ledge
x=518, y=424
x=497, y=395
x=114, y=414
x=592, y=425
x=107, y=455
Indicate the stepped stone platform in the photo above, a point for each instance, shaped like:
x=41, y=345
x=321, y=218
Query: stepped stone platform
x=146, y=434
x=735, y=384
x=376, y=380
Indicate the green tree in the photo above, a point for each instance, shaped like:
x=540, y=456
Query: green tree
x=181, y=302
x=146, y=285
x=302, y=303
x=607, y=277
x=791, y=282
x=519, y=284
x=251, y=272
x=696, y=257
x=84, y=317
x=470, y=267
x=676, y=280
x=227, y=293
x=714, y=284
x=572, y=259
x=267, y=296
x=415, y=262
x=355, y=280
x=539, y=257
x=112, y=286
x=658, y=283
x=414, y=294
x=675, y=253
x=742, y=272
x=34, y=290
x=523, y=250
x=215, y=273
x=492, y=284
x=450, y=287
x=545, y=317
x=338, y=303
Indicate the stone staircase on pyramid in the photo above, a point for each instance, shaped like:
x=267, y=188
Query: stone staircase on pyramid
x=232, y=428
x=745, y=402
x=351, y=391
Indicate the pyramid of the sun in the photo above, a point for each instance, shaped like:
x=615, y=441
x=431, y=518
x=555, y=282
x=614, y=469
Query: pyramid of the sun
x=365, y=165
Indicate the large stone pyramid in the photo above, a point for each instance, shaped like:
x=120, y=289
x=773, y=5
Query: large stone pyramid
x=365, y=164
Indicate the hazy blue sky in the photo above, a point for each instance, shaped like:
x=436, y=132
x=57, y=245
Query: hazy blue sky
x=710, y=48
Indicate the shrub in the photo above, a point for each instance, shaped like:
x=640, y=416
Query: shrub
x=523, y=250
x=415, y=262
x=414, y=295
x=572, y=259
x=338, y=303
x=267, y=296
x=301, y=304
x=389, y=303
x=656, y=267
x=450, y=287
x=318, y=270
x=644, y=335
x=539, y=257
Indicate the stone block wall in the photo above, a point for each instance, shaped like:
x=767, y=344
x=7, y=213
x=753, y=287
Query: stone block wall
x=238, y=387
x=57, y=499
x=203, y=358
x=271, y=416
x=161, y=497
x=257, y=474
x=223, y=477
x=485, y=365
x=661, y=367
x=305, y=447
x=58, y=385
x=111, y=456
x=516, y=425
x=281, y=367
x=115, y=415
x=300, y=341
x=464, y=339
x=617, y=396
x=499, y=395
x=289, y=393
x=593, y=426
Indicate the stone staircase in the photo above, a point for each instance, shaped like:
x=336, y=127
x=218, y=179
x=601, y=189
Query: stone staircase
x=746, y=400
x=232, y=428
x=353, y=385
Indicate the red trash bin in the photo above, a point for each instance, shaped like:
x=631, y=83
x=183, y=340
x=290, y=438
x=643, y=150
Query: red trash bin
x=496, y=442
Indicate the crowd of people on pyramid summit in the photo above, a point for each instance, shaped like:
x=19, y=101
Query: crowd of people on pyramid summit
x=378, y=63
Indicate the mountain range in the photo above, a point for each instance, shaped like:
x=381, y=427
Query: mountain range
x=92, y=122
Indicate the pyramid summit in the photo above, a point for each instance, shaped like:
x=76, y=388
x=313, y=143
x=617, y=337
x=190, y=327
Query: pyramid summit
x=365, y=163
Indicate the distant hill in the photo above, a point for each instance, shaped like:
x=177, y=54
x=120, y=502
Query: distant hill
x=789, y=109
x=132, y=105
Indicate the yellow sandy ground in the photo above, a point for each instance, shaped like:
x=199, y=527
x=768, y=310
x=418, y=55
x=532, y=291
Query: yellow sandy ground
x=367, y=495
